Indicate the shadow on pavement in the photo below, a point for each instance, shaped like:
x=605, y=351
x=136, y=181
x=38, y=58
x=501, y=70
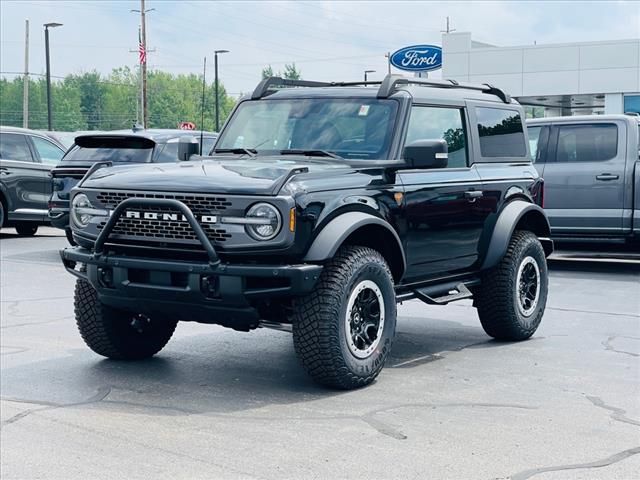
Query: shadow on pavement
x=216, y=373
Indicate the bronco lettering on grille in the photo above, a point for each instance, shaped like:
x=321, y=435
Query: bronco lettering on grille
x=168, y=217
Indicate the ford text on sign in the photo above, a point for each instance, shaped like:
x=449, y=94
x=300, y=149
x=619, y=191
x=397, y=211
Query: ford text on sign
x=417, y=58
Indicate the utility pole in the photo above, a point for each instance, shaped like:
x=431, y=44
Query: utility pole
x=215, y=68
x=47, y=26
x=25, y=79
x=388, y=57
x=449, y=29
x=143, y=61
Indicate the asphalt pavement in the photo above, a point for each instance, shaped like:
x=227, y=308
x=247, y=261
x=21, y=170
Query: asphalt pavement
x=218, y=404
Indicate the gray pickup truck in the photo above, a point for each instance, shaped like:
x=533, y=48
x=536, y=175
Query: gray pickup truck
x=591, y=170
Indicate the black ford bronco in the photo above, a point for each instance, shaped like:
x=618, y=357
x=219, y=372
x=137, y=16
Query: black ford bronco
x=321, y=207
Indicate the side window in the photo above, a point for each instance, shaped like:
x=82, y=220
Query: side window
x=431, y=123
x=49, y=153
x=587, y=143
x=14, y=146
x=501, y=132
x=534, y=138
x=207, y=145
x=167, y=153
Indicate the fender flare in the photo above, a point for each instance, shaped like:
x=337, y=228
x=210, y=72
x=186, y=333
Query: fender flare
x=335, y=232
x=506, y=225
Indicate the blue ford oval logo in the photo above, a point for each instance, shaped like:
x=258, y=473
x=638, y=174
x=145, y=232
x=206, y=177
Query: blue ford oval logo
x=417, y=58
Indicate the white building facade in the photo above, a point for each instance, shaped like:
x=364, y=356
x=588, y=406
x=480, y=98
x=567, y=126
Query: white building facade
x=561, y=79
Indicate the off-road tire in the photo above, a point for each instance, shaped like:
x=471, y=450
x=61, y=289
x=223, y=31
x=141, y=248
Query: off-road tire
x=108, y=331
x=26, y=229
x=69, y=234
x=497, y=297
x=319, y=330
x=2, y=214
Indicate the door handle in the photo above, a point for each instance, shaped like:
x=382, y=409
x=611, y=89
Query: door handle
x=4, y=171
x=473, y=195
x=607, y=176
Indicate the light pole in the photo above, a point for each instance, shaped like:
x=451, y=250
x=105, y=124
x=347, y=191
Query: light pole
x=216, y=52
x=366, y=72
x=47, y=26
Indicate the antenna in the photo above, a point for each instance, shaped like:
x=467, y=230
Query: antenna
x=204, y=84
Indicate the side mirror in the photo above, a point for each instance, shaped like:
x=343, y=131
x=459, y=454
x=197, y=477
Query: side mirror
x=187, y=146
x=426, y=154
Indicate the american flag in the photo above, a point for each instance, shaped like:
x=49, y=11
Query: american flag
x=142, y=53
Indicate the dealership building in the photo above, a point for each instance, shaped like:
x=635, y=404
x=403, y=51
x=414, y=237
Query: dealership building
x=559, y=79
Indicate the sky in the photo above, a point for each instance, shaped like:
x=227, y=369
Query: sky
x=327, y=40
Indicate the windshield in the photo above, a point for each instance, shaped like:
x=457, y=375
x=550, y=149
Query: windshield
x=350, y=128
x=101, y=154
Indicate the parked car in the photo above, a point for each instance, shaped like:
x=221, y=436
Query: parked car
x=117, y=147
x=318, y=211
x=591, y=170
x=26, y=158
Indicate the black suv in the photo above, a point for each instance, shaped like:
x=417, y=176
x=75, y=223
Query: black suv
x=26, y=158
x=124, y=147
x=320, y=208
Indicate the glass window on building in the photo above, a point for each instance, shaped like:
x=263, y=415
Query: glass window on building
x=632, y=104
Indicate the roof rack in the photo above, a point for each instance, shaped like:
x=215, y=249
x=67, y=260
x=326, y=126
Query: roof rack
x=390, y=83
x=387, y=86
x=264, y=87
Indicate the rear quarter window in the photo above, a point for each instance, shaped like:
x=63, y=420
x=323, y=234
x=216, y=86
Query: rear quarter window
x=500, y=132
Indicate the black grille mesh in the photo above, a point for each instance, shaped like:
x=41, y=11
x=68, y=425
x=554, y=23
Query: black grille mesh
x=166, y=230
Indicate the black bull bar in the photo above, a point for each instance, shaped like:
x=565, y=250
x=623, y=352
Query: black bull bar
x=205, y=292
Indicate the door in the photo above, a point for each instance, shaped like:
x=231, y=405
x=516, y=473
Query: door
x=444, y=222
x=48, y=154
x=584, y=178
x=22, y=178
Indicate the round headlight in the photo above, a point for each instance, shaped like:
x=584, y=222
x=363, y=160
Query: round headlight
x=79, y=210
x=263, y=221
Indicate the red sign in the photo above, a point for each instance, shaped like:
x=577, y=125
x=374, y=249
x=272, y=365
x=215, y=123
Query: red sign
x=187, y=126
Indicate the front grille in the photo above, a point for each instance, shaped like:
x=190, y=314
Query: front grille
x=161, y=230
x=199, y=205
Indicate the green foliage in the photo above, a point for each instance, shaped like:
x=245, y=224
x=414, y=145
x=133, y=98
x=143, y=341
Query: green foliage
x=90, y=101
x=290, y=72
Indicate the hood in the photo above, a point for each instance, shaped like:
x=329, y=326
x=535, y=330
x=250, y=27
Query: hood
x=255, y=176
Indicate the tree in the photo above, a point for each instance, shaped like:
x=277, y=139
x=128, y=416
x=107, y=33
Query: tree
x=91, y=101
x=290, y=72
x=268, y=72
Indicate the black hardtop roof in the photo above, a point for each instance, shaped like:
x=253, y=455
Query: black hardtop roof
x=419, y=89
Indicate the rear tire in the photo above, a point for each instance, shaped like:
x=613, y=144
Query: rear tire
x=344, y=329
x=118, y=334
x=26, y=229
x=1, y=212
x=512, y=295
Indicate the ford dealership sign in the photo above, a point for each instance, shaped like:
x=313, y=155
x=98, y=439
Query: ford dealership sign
x=417, y=58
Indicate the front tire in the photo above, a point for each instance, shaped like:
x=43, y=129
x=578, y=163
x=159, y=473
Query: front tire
x=26, y=229
x=118, y=334
x=344, y=329
x=512, y=295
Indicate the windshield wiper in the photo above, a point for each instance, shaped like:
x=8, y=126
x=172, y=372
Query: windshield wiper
x=311, y=153
x=246, y=151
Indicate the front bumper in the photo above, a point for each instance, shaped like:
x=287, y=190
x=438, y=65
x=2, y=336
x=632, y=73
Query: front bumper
x=221, y=293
